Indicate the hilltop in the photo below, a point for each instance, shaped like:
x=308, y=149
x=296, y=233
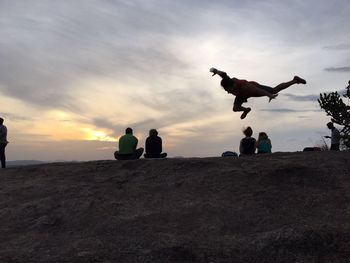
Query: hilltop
x=283, y=207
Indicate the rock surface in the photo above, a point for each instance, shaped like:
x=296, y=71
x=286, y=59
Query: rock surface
x=282, y=207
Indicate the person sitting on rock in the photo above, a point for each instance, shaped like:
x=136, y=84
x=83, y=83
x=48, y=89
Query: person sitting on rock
x=127, y=147
x=247, y=145
x=154, y=145
x=263, y=144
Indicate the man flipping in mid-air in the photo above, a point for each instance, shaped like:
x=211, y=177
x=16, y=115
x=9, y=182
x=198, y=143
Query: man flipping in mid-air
x=244, y=89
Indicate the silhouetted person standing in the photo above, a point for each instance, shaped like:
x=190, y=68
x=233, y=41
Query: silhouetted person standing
x=154, y=145
x=127, y=147
x=3, y=142
x=335, y=137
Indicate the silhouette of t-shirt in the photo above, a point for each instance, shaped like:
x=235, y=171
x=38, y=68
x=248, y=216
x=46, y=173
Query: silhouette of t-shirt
x=264, y=146
x=127, y=144
x=153, y=146
x=248, y=145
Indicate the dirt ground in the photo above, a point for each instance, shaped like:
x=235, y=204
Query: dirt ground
x=282, y=207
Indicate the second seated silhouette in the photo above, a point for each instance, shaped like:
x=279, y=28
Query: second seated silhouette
x=154, y=145
x=263, y=144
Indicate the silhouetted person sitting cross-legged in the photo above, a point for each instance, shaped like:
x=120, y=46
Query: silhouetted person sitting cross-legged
x=154, y=145
x=127, y=147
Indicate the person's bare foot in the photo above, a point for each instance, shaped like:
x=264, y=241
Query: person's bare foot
x=299, y=80
x=245, y=113
x=273, y=96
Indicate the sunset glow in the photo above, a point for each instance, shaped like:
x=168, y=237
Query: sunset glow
x=75, y=74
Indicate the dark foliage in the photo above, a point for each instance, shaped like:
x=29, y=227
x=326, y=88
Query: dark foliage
x=334, y=106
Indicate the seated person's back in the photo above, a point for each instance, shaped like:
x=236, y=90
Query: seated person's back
x=154, y=145
x=127, y=144
x=248, y=144
x=127, y=147
x=264, y=143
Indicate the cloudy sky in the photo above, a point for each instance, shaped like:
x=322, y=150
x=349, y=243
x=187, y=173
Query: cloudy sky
x=75, y=73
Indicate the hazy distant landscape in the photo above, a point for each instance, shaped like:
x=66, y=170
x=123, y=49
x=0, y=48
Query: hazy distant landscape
x=23, y=162
x=33, y=162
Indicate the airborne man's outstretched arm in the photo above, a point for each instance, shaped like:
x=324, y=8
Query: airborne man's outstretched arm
x=220, y=73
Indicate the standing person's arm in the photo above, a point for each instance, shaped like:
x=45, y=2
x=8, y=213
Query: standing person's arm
x=4, y=133
x=6, y=141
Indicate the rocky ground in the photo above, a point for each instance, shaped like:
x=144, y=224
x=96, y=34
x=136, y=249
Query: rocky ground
x=283, y=207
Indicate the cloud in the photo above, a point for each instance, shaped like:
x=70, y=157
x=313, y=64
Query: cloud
x=117, y=130
x=48, y=48
x=146, y=59
x=48, y=52
x=285, y=110
x=103, y=123
x=279, y=110
x=187, y=101
x=312, y=97
x=340, y=92
x=338, y=47
x=29, y=138
x=15, y=117
x=338, y=69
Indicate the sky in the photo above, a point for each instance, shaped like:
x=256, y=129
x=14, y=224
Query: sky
x=75, y=73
